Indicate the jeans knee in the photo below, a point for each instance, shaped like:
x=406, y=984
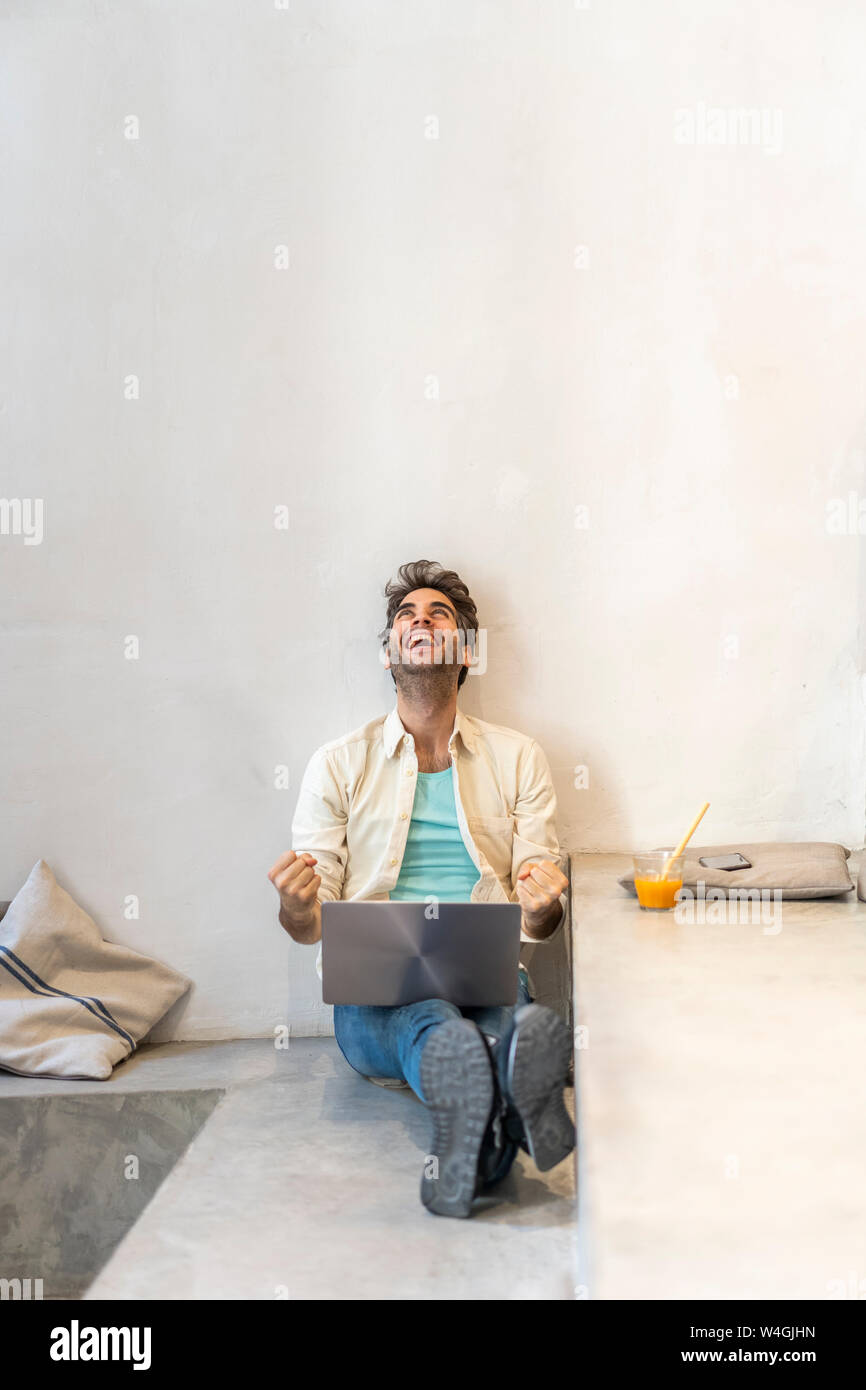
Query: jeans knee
x=443, y=1006
x=426, y=1014
x=429, y=1011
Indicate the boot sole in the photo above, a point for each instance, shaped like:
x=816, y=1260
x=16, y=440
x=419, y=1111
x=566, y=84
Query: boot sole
x=457, y=1081
x=538, y=1065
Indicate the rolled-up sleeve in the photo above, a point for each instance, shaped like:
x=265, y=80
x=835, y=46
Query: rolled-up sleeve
x=535, y=835
x=319, y=824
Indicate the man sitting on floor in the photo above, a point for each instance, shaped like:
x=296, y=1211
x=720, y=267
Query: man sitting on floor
x=428, y=803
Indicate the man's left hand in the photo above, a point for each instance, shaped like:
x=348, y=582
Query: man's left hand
x=539, y=886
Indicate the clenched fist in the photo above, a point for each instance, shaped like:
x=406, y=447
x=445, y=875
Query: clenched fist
x=539, y=886
x=298, y=885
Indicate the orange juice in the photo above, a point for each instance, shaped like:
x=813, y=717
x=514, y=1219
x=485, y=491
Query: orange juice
x=657, y=892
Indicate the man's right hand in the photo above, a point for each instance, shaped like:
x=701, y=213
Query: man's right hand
x=297, y=885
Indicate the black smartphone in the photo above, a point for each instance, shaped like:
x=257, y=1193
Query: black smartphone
x=725, y=861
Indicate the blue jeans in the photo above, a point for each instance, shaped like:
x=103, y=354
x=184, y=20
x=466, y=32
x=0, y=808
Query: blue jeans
x=386, y=1040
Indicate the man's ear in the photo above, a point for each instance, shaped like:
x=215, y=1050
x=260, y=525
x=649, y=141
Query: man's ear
x=385, y=658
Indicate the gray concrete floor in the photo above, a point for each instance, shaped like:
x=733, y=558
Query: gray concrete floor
x=78, y=1170
x=304, y=1184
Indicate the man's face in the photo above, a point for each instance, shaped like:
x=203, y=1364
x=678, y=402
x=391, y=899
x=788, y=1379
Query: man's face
x=425, y=637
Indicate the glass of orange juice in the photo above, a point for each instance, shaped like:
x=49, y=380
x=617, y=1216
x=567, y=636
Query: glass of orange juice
x=654, y=893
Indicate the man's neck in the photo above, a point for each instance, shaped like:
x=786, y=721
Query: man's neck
x=430, y=723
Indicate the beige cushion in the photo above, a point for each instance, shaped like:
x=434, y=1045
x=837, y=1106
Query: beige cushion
x=813, y=869
x=72, y=1004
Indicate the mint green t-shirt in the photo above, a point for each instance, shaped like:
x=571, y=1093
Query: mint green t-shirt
x=436, y=862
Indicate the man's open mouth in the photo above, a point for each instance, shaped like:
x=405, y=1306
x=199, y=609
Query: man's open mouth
x=424, y=643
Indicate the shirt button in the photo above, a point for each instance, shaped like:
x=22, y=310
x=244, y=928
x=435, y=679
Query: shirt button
x=393, y=861
x=409, y=771
x=404, y=815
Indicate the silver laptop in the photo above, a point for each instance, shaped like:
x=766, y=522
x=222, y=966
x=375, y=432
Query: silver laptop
x=391, y=953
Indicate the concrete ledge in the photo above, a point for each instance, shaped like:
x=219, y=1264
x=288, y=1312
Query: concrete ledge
x=721, y=1127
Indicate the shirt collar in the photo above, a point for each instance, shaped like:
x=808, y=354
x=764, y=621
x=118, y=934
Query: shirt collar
x=394, y=732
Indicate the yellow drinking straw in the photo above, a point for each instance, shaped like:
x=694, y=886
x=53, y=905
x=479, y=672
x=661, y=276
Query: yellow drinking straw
x=684, y=841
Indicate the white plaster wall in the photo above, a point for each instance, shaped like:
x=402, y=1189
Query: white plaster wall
x=671, y=336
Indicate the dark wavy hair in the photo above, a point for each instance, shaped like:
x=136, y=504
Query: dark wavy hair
x=429, y=574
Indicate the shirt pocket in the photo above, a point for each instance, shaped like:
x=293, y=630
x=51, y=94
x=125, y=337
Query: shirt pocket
x=494, y=836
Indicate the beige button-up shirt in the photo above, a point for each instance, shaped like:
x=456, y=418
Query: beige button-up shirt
x=356, y=797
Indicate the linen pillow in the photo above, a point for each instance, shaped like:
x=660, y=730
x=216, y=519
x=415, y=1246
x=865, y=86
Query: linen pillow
x=71, y=1003
x=813, y=869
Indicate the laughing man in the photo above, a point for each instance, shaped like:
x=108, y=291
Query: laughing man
x=426, y=802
